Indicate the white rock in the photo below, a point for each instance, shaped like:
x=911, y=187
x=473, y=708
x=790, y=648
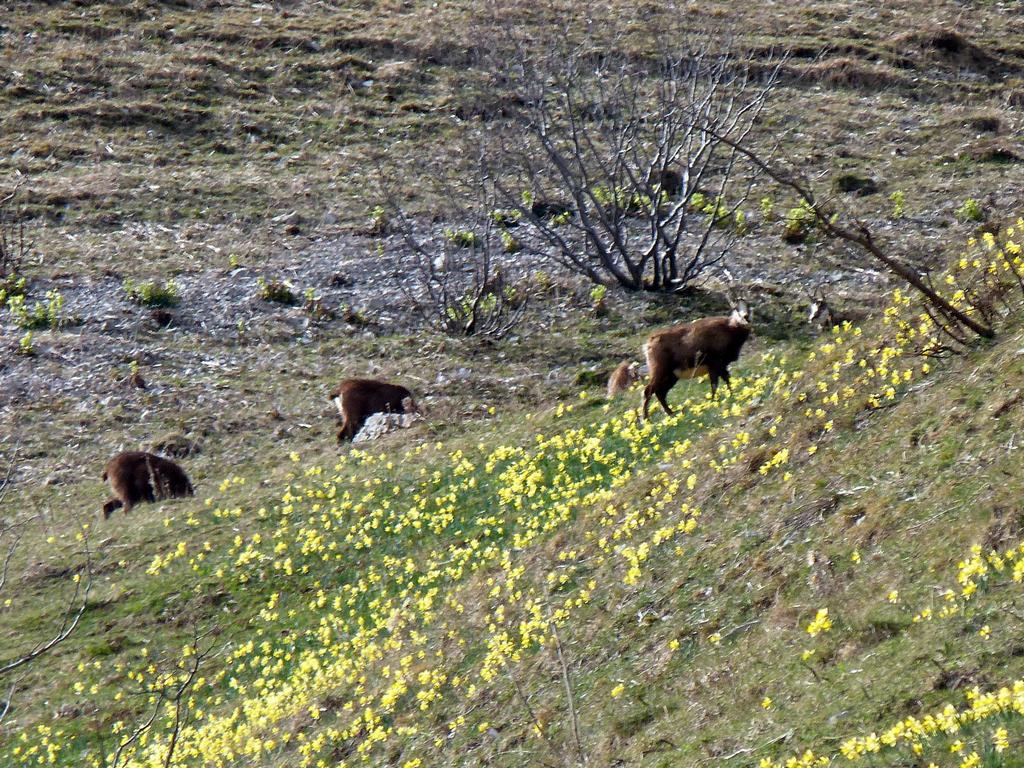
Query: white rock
x=379, y=424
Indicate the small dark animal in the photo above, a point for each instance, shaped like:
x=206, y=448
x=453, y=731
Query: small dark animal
x=623, y=377
x=549, y=209
x=670, y=182
x=358, y=399
x=705, y=346
x=161, y=318
x=137, y=476
x=825, y=316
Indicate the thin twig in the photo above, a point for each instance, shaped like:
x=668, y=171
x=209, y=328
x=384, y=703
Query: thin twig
x=570, y=702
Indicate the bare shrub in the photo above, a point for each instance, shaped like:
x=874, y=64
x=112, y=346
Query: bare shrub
x=609, y=163
x=463, y=277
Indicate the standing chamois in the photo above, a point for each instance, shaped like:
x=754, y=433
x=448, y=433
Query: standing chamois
x=358, y=399
x=705, y=346
x=137, y=476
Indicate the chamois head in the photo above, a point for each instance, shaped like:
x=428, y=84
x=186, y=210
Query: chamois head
x=825, y=316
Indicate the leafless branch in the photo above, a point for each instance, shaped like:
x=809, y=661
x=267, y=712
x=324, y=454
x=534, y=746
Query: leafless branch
x=13, y=247
x=11, y=535
x=463, y=279
x=609, y=164
x=570, y=700
x=6, y=484
x=70, y=618
x=176, y=694
x=860, y=235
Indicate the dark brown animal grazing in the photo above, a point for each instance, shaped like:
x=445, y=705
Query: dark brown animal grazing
x=137, y=476
x=550, y=209
x=358, y=399
x=623, y=377
x=669, y=182
x=706, y=346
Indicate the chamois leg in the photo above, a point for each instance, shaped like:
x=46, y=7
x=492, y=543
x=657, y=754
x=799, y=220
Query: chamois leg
x=648, y=391
x=661, y=393
x=110, y=506
x=659, y=387
x=713, y=376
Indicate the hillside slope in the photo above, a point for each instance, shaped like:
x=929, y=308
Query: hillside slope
x=528, y=576
x=787, y=569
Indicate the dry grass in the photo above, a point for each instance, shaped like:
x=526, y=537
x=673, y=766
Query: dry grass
x=226, y=116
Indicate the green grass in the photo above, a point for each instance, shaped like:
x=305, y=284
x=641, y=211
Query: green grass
x=744, y=575
x=212, y=125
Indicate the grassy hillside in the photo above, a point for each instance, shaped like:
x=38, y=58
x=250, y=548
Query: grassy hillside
x=827, y=553
x=821, y=566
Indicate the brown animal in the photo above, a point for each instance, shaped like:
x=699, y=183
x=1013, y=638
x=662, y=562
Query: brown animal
x=137, y=476
x=668, y=180
x=705, y=346
x=358, y=399
x=825, y=316
x=623, y=377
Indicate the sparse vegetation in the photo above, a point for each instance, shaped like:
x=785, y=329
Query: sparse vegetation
x=25, y=346
x=276, y=291
x=151, y=293
x=971, y=210
x=899, y=204
x=818, y=569
x=48, y=314
x=314, y=306
x=461, y=238
x=379, y=220
x=799, y=224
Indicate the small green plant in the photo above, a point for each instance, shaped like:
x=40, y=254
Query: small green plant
x=25, y=345
x=799, y=224
x=276, y=291
x=41, y=315
x=152, y=294
x=714, y=207
x=598, y=294
x=899, y=204
x=379, y=220
x=767, y=209
x=739, y=223
x=233, y=260
x=461, y=238
x=314, y=306
x=970, y=211
x=511, y=244
x=12, y=285
x=506, y=219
